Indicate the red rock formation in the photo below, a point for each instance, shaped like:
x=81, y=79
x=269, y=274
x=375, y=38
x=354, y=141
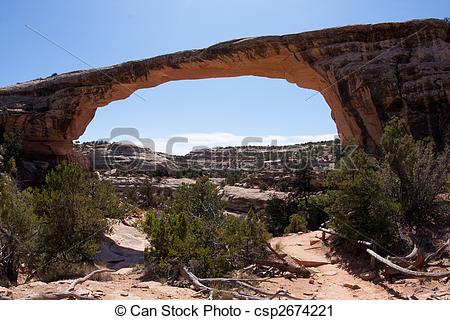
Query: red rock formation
x=367, y=73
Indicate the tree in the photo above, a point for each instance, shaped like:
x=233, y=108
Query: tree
x=358, y=204
x=11, y=152
x=12, y=145
x=198, y=200
x=416, y=172
x=195, y=232
x=297, y=223
x=17, y=229
x=375, y=197
x=278, y=212
x=73, y=208
x=302, y=183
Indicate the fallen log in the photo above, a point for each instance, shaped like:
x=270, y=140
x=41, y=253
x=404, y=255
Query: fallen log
x=69, y=293
x=406, y=260
x=440, y=294
x=418, y=274
x=436, y=254
x=200, y=285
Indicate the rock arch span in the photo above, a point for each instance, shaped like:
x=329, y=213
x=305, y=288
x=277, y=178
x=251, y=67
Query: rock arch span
x=366, y=73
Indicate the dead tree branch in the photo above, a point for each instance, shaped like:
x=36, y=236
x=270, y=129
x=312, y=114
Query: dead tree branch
x=69, y=293
x=280, y=256
x=418, y=274
x=201, y=285
x=436, y=254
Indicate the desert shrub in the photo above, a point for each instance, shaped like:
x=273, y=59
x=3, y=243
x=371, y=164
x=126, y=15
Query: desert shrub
x=11, y=152
x=149, y=195
x=194, y=231
x=145, y=195
x=277, y=213
x=358, y=204
x=232, y=177
x=198, y=200
x=263, y=185
x=12, y=146
x=415, y=172
x=313, y=210
x=283, y=186
x=73, y=208
x=17, y=229
x=297, y=223
x=375, y=197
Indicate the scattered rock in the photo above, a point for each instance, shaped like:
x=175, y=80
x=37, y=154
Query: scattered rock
x=310, y=263
x=243, y=199
x=146, y=284
x=368, y=276
x=351, y=286
x=5, y=292
x=36, y=284
x=124, y=271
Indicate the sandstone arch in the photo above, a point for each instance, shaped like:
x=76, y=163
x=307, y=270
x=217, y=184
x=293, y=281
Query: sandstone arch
x=367, y=73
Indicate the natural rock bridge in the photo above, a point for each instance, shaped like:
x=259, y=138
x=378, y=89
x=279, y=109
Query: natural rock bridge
x=367, y=74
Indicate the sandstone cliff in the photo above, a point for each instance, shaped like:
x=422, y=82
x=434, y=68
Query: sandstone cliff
x=367, y=74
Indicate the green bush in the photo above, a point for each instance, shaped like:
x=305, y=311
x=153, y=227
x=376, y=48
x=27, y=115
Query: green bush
x=232, y=177
x=416, y=173
x=145, y=195
x=358, y=204
x=73, y=208
x=12, y=146
x=194, y=231
x=297, y=223
x=277, y=214
x=313, y=209
x=263, y=186
x=17, y=229
x=198, y=200
x=374, y=198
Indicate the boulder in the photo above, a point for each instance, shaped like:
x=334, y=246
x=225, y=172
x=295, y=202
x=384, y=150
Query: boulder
x=241, y=200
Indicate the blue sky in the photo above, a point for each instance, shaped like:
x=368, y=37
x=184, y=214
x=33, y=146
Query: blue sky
x=208, y=112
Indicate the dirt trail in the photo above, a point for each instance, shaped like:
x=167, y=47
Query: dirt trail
x=328, y=281
x=124, y=248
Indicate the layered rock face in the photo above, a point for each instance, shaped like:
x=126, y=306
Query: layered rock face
x=367, y=74
x=241, y=200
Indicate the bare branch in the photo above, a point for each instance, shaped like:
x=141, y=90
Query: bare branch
x=200, y=285
x=69, y=293
x=419, y=274
x=436, y=254
x=85, y=278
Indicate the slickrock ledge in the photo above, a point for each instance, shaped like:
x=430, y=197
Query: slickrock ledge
x=367, y=74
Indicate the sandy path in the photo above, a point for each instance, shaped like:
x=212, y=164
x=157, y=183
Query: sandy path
x=123, y=248
x=328, y=281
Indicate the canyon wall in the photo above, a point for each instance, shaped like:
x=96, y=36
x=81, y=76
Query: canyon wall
x=367, y=74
